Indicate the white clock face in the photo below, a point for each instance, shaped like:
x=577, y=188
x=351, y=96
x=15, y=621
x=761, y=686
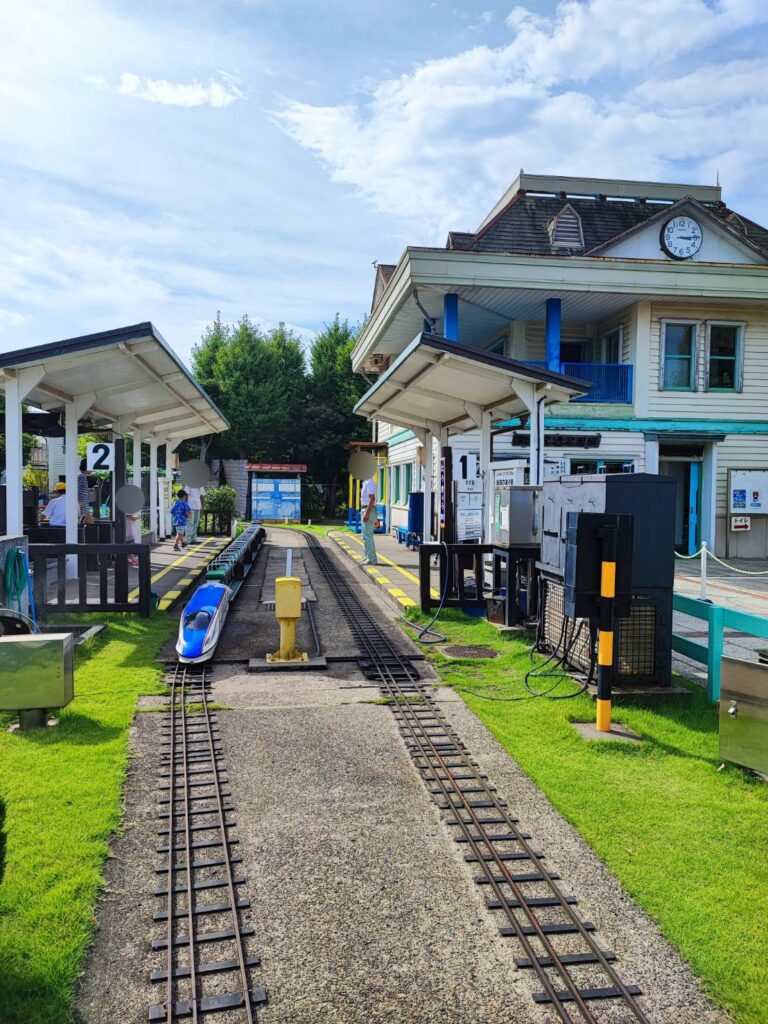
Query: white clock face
x=681, y=238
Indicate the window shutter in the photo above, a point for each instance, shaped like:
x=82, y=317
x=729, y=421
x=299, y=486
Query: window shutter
x=565, y=232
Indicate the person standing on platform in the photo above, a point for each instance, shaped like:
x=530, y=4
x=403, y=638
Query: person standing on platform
x=84, y=494
x=180, y=515
x=195, y=502
x=368, y=510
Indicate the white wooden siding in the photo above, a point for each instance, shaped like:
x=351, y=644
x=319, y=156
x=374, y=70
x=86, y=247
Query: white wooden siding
x=535, y=330
x=749, y=404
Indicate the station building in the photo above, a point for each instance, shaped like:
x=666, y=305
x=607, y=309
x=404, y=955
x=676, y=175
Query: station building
x=655, y=294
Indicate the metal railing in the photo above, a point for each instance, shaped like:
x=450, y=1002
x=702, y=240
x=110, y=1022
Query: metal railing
x=718, y=619
x=611, y=382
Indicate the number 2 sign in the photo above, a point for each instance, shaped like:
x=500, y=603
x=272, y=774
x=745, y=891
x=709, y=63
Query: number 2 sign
x=100, y=456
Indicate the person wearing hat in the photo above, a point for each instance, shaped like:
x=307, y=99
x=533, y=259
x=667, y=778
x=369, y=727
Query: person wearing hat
x=56, y=509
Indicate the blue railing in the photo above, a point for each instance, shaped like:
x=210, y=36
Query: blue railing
x=611, y=382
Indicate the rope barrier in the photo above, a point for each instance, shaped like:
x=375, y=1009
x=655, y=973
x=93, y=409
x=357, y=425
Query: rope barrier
x=704, y=550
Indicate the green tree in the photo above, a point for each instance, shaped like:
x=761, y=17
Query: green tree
x=333, y=390
x=258, y=379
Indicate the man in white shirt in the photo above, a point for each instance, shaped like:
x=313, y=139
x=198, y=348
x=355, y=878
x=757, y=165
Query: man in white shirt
x=368, y=509
x=56, y=509
x=195, y=502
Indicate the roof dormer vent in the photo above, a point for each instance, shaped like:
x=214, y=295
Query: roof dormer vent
x=736, y=222
x=565, y=233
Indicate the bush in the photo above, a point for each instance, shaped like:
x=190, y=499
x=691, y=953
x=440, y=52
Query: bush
x=220, y=499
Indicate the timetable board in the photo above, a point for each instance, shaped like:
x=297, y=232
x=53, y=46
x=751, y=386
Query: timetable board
x=748, y=492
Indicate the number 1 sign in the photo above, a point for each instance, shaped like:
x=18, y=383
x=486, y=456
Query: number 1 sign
x=100, y=455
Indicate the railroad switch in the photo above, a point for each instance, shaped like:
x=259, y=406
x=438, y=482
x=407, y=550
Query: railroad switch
x=287, y=613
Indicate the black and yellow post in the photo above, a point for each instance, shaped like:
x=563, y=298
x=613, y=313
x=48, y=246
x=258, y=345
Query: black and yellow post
x=605, y=640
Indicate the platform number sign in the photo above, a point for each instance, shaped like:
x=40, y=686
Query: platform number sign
x=100, y=456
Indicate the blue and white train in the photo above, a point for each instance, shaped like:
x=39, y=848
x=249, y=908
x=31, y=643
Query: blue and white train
x=202, y=621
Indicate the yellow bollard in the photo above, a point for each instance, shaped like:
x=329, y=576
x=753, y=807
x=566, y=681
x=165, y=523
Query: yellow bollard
x=287, y=613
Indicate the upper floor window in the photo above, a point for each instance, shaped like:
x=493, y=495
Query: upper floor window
x=678, y=356
x=724, y=356
x=612, y=346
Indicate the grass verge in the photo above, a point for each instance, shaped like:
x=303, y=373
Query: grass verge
x=62, y=791
x=688, y=841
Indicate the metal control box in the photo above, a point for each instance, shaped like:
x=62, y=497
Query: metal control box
x=36, y=671
x=516, y=516
x=744, y=713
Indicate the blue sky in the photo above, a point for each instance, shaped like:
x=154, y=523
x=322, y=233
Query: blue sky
x=165, y=161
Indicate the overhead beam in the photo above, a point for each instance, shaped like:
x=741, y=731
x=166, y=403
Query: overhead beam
x=126, y=349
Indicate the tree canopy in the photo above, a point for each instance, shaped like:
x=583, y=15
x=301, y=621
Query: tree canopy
x=281, y=409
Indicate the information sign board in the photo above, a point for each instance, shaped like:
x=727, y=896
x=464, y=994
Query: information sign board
x=748, y=492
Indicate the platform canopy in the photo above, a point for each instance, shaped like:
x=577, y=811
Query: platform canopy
x=436, y=384
x=127, y=380
x=124, y=378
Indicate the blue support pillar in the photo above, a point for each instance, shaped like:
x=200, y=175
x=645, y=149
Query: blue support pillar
x=554, y=314
x=451, y=316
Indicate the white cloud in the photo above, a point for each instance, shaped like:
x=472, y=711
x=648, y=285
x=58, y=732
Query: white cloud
x=10, y=320
x=97, y=81
x=217, y=93
x=566, y=94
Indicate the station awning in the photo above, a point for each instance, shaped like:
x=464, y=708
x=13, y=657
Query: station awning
x=124, y=379
x=436, y=381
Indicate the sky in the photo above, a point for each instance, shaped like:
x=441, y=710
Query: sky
x=166, y=160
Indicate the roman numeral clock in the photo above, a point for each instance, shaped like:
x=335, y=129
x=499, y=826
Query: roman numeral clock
x=681, y=238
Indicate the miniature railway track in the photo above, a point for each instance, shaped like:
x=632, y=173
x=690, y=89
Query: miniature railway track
x=577, y=976
x=201, y=906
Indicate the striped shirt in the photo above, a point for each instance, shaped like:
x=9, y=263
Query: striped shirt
x=83, y=494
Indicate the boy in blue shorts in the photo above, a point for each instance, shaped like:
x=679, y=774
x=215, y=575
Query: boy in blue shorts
x=179, y=515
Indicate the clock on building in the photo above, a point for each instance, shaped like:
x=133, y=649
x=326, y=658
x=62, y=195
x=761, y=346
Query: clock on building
x=681, y=238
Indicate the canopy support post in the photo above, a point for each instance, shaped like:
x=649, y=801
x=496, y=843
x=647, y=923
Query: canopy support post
x=73, y=411
x=485, y=471
x=153, y=516
x=136, y=526
x=17, y=386
x=553, y=323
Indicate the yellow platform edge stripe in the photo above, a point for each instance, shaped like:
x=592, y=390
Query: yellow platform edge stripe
x=387, y=561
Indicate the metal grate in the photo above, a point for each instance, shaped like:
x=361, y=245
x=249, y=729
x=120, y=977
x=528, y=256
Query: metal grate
x=636, y=636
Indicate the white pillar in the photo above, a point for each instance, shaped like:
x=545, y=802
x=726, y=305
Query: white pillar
x=640, y=325
x=485, y=472
x=651, y=455
x=534, y=457
x=427, y=487
x=161, y=496
x=14, y=462
x=153, y=516
x=136, y=524
x=18, y=385
x=709, y=495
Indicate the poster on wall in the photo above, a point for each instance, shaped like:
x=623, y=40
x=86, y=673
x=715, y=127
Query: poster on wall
x=276, y=498
x=748, y=492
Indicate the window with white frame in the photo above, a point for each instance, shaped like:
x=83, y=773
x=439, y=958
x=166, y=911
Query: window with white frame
x=678, y=355
x=611, y=345
x=725, y=356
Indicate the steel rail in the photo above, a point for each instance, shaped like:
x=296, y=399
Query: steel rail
x=188, y=850
x=449, y=787
x=228, y=864
x=171, y=846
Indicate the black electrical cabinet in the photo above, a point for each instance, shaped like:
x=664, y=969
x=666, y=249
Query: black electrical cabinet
x=644, y=623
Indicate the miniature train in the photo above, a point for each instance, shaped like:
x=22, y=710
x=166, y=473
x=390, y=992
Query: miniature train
x=202, y=621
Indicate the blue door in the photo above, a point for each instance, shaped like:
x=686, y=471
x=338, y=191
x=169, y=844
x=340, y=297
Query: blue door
x=694, y=497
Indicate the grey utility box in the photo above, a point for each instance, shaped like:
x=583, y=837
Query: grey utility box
x=516, y=516
x=744, y=713
x=36, y=671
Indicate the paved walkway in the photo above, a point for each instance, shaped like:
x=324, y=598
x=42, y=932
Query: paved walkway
x=175, y=572
x=397, y=571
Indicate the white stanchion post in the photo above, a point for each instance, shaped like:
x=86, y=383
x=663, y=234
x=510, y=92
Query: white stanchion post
x=703, y=593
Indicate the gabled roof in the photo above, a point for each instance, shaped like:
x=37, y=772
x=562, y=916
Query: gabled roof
x=730, y=222
x=384, y=272
x=522, y=226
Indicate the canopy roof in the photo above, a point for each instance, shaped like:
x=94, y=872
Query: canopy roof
x=126, y=379
x=439, y=382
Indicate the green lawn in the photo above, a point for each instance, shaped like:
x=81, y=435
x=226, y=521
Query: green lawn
x=321, y=529
x=689, y=842
x=61, y=789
